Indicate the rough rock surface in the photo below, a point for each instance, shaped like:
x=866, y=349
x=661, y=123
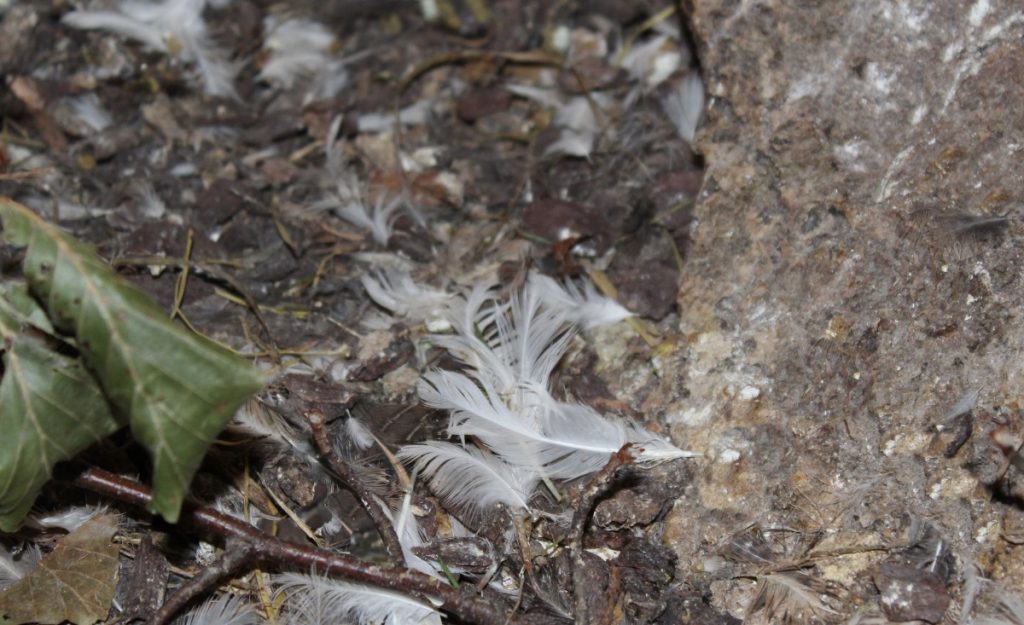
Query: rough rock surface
x=852, y=289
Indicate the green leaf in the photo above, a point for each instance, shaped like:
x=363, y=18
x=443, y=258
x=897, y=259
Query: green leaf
x=178, y=390
x=75, y=582
x=50, y=410
x=18, y=309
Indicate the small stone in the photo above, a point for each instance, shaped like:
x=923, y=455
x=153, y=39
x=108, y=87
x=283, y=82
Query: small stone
x=911, y=594
x=729, y=456
x=749, y=393
x=555, y=219
x=481, y=103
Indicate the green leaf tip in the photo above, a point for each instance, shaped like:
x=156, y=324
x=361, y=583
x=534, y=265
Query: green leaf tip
x=176, y=390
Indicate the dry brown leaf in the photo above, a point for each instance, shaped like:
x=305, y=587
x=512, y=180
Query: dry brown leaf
x=75, y=582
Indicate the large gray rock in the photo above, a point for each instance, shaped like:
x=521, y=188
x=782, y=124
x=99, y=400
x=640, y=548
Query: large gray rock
x=842, y=309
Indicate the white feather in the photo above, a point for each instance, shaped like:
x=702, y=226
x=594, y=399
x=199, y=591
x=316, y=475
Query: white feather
x=89, y=110
x=470, y=479
x=297, y=48
x=578, y=114
x=684, y=106
x=302, y=50
x=316, y=600
x=378, y=221
x=14, y=567
x=597, y=437
x=429, y=10
x=567, y=441
x=1010, y=610
x=505, y=400
x=969, y=591
x=333, y=151
x=68, y=519
x=572, y=143
x=257, y=419
x=174, y=27
x=395, y=290
x=149, y=202
x=532, y=339
x=549, y=98
x=412, y=115
x=652, y=61
x=516, y=351
x=116, y=23
x=474, y=312
x=221, y=610
x=68, y=211
x=587, y=308
x=410, y=536
x=358, y=433
x=579, y=128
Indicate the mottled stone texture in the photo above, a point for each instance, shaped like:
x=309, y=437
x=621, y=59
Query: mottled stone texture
x=837, y=302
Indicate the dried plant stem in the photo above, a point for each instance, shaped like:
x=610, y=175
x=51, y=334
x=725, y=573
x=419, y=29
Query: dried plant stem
x=596, y=487
x=524, y=528
x=209, y=270
x=236, y=557
x=463, y=603
x=317, y=425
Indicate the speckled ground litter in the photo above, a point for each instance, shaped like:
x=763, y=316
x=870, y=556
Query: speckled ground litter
x=124, y=146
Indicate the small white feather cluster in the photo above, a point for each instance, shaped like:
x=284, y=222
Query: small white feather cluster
x=378, y=220
x=652, y=61
x=503, y=401
x=302, y=50
x=395, y=290
x=90, y=113
x=576, y=118
x=581, y=121
x=412, y=115
x=174, y=27
x=347, y=198
x=578, y=126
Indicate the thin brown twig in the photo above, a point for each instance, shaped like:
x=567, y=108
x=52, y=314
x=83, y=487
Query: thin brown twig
x=30, y=93
x=25, y=174
x=463, y=603
x=234, y=559
x=204, y=268
x=463, y=56
x=317, y=426
x=524, y=527
x=597, y=486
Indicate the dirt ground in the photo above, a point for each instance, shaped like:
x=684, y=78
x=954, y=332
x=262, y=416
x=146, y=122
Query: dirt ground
x=498, y=139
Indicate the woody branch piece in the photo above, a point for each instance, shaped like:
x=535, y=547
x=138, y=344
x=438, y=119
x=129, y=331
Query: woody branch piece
x=596, y=487
x=462, y=603
x=234, y=559
x=317, y=425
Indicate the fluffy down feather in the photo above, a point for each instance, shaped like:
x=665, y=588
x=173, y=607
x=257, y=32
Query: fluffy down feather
x=470, y=479
x=585, y=307
x=315, y=600
x=221, y=610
